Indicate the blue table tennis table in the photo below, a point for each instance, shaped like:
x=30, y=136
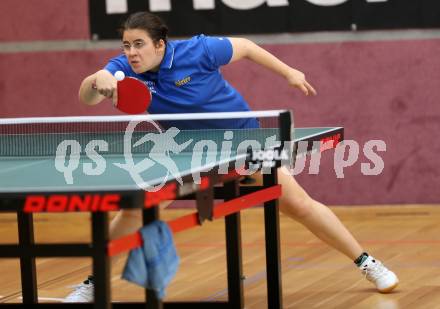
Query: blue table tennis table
x=35, y=177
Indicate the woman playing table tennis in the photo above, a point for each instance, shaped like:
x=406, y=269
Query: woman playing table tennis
x=184, y=77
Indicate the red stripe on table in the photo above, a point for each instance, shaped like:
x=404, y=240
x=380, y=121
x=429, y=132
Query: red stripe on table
x=186, y=222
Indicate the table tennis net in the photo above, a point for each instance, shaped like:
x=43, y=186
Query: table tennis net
x=118, y=137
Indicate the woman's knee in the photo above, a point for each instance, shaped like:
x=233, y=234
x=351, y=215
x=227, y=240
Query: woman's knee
x=296, y=206
x=294, y=200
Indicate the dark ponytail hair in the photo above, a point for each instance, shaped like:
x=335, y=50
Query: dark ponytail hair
x=150, y=23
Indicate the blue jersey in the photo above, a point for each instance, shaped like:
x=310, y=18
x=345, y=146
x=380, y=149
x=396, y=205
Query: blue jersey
x=189, y=81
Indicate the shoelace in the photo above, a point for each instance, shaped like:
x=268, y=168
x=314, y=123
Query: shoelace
x=375, y=271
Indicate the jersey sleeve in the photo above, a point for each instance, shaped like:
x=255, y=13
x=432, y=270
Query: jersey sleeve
x=218, y=49
x=118, y=63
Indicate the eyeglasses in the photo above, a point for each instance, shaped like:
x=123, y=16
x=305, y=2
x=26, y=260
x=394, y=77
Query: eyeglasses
x=126, y=47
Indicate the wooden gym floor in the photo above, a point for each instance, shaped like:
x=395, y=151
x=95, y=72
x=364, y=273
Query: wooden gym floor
x=406, y=238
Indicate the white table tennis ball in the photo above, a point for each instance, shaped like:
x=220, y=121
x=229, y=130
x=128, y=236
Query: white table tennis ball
x=119, y=75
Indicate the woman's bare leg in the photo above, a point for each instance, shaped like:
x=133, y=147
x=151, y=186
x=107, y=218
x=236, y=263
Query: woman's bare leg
x=319, y=219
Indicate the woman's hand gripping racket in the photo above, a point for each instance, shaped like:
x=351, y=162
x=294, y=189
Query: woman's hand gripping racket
x=133, y=96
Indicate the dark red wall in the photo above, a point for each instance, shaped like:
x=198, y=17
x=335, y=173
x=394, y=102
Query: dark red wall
x=32, y=20
x=376, y=90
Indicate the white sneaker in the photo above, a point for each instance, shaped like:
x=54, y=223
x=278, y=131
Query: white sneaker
x=83, y=292
x=384, y=279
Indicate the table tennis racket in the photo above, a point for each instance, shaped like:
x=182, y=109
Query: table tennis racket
x=134, y=97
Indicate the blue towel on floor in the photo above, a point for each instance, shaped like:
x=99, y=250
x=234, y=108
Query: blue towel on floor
x=155, y=262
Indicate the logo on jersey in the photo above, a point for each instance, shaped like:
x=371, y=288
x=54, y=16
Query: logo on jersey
x=183, y=81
